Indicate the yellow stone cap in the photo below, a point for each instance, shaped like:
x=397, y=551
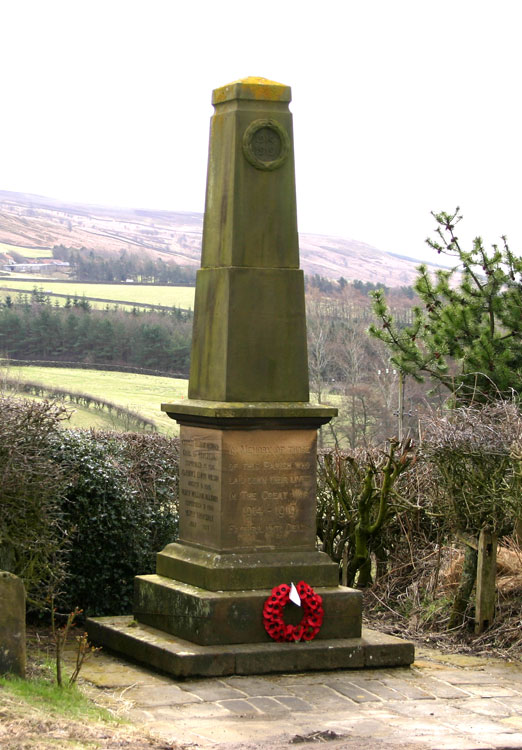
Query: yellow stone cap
x=259, y=89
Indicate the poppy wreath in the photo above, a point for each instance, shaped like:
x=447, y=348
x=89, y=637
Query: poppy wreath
x=311, y=621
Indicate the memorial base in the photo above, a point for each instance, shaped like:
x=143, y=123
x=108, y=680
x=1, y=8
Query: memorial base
x=232, y=617
x=180, y=658
x=247, y=523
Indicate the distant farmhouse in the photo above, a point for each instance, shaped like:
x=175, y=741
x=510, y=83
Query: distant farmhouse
x=39, y=265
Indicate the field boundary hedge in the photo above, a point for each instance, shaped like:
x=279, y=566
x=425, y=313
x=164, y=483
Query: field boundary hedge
x=129, y=417
x=82, y=512
x=90, y=366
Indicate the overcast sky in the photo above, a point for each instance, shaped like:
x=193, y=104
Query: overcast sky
x=400, y=107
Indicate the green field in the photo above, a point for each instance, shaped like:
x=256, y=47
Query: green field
x=27, y=252
x=168, y=296
x=141, y=393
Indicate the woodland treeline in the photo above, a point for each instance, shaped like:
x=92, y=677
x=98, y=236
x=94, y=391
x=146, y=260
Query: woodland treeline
x=345, y=364
x=342, y=287
x=352, y=370
x=31, y=328
x=87, y=265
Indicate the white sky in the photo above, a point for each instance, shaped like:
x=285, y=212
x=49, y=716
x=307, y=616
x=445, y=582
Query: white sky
x=400, y=107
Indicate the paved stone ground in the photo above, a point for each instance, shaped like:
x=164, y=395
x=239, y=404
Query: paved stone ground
x=442, y=702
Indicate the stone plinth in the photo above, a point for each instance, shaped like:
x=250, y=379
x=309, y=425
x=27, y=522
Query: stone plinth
x=237, y=571
x=247, y=497
x=246, y=490
x=228, y=617
x=12, y=624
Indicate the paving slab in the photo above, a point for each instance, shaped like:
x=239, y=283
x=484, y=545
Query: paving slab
x=269, y=706
x=212, y=690
x=408, y=689
x=294, y=704
x=503, y=741
x=491, y=691
x=440, y=703
x=193, y=712
x=378, y=689
x=353, y=692
x=149, y=696
x=241, y=706
x=513, y=703
x=479, y=676
x=439, y=710
x=456, y=743
x=323, y=698
x=440, y=689
x=515, y=721
x=256, y=686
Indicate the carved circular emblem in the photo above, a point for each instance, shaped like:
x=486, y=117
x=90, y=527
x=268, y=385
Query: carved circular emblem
x=266, y=144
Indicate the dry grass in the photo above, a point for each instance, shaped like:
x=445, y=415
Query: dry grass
x=414, y=601
x=509, y=570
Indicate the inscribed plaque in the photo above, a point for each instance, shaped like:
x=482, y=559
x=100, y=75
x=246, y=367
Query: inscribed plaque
x=247, y=489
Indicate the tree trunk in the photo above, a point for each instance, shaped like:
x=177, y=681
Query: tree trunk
x=360, y=558
x=381, y=557
x=365, y=574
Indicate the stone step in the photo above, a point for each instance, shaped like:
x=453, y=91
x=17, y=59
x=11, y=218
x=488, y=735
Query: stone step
x=182, y=658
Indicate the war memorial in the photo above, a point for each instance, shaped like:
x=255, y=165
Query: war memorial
x=244, y=589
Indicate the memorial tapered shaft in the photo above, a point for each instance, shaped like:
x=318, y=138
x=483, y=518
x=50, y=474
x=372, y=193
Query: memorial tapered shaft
x=249, y=338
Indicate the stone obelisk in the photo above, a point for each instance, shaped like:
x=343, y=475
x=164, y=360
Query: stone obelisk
x=248, y=432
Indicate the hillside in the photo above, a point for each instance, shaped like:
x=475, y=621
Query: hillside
x=39, y=223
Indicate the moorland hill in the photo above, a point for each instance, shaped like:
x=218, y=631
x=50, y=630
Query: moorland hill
x=37, y=222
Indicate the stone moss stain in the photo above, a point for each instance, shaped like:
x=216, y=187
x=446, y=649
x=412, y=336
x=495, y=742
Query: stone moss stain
x=253, y=88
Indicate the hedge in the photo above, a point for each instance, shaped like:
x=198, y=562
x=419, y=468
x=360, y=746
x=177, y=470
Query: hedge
x=81, y=511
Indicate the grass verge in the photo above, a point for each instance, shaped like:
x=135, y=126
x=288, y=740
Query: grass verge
x=43, y=693
x=35, y=714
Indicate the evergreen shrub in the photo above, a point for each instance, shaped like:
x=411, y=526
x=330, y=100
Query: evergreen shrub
x=120, y=508
x=82, y=512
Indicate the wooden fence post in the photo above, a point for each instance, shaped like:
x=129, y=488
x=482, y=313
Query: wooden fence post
x=486, y=575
